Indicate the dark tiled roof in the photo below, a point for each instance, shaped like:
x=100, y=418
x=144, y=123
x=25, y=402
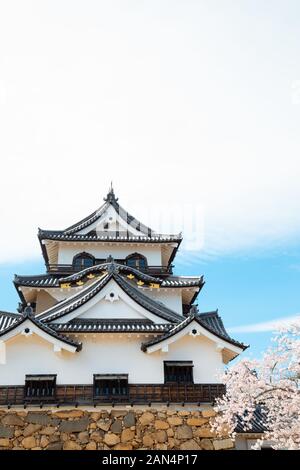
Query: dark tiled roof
x=53, y=280
x=43, y=280
x=110, y=326
x=93, y=237
x=80, y=298
x=214, y=322
x=104, y=266
x=210, y=321
x=70, y=233
x=22, y=318
x=183, y=281
x=258, y=423
x=8, y=319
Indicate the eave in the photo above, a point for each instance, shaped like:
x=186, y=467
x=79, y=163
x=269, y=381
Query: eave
x=66, y=343
x=225, y=342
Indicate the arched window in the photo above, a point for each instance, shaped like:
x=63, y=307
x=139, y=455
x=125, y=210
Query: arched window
x=137, y=261
x=82, y=261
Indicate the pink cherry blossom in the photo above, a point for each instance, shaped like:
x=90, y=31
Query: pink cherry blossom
x=271, y=383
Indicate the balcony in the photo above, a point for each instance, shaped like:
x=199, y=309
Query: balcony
x=77, y=395
x=71, y=268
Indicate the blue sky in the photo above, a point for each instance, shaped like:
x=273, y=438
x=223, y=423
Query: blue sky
x=190, y=107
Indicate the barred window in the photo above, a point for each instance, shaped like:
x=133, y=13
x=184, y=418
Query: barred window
x=178, y=371
x=40, y=386
x=110, y=385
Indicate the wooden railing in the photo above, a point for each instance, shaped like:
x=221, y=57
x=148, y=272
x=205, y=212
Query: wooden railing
x=70, y=268
x=137, y=394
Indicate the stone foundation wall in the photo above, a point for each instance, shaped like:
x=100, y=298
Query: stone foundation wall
x=118, y=429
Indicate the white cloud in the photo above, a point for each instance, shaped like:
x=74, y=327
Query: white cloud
x=271, y=326
x=178, y=105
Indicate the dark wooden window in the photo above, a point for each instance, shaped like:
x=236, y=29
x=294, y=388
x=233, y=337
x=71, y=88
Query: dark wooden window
x=137, y=261
x=39, y=387
x=83, y=260
x=106, y=385
x=178, y=371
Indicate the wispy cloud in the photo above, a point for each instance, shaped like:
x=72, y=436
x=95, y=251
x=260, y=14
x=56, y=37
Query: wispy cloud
x=263, y=327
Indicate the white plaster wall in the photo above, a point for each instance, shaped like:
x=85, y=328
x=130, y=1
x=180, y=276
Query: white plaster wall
x=106, y=354
x=172, y=298
x=66, y=252
x=106, y=309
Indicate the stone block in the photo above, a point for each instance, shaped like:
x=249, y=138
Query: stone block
x=6, y=431
x=48, y=431
x=146, y=418
x=174, y=421
x=129, y=420
x=55, y=446
x=196, y=421
x=12, y=419
x=159, y=424
x=111, y=439
x=29, y=442
x=116, y=426
x=184, y=432
x=206, y=444
x=209, y=413
x=71, y=445
x=65, y=414
x=31, y=429
x=77, y=425
x=4, y=442
x=223, y=444
x=190, y=445
x=38, y=418
x=127, y=435
x=104, y=424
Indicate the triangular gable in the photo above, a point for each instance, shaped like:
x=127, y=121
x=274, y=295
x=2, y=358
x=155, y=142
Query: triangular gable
x=111, y=303
x=193, y=326
x=88, y=297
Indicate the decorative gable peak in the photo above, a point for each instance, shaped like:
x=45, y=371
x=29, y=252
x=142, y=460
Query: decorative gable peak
x=111, y=195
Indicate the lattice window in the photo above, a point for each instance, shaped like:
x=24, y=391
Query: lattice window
x=110, y=385
x=40, y=386
x=178, y=371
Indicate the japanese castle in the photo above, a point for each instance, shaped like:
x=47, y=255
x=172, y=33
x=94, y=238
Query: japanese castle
x=109, y=322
